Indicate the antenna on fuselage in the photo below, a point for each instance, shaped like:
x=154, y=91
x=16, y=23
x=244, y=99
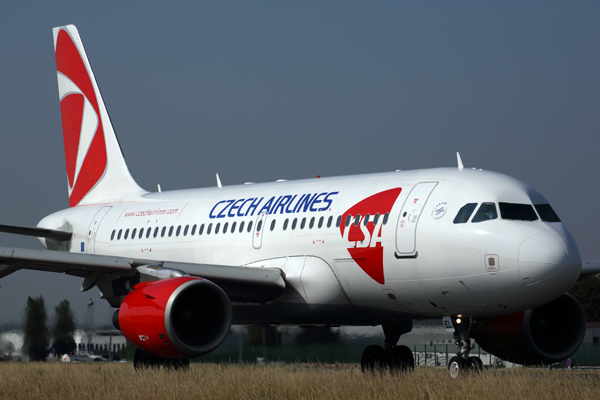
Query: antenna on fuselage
x=460, y=164
x=219, y=182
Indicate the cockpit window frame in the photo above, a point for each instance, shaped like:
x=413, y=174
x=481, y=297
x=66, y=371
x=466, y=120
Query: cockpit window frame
x=487, y=211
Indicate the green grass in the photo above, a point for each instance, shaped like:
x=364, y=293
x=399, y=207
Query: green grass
x=239, y=381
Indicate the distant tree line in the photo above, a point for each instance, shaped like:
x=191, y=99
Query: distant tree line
x=587, y=292
x=37, y=334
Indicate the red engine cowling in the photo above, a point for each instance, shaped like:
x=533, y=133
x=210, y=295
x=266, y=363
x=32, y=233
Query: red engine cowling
x=542, y=335
x=175, y=318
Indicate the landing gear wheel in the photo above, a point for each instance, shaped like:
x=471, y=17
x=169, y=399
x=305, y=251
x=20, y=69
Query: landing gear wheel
x=402, y=359
x=475, y=364
x=176, y=364
x=143, y=360
x=373, y=359
x=457, y=366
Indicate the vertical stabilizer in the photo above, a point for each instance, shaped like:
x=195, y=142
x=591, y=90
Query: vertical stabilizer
x=96, y=168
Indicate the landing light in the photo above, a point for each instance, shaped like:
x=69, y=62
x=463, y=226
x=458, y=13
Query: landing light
x=458, y=321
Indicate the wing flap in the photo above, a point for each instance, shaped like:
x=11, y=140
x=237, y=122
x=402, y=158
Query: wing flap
x=242, y=284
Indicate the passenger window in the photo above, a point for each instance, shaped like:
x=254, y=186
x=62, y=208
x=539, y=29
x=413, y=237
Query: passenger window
x=133, y=233
x=312, y=223
x=376, y=219
x=259, y=226
x=329, y=221
x=366, y=221
x=303, y=223
x=465, y=213
x=241, y=226
x=233, y=227
x=357, y=220
x=486, y=212
x=348, y=219
x=519, y=212
x=217, y=227
x=112, y=235
x=126, y=234
x=208, y=229
x=225, y=227
x=171, y=231
x=148, y=233
x=201, y=230
x=119, y=234
x=249, y=227
x=547, y=213
x=193, y=230
x=386, y=216
x=294, y=223
x=272, y=224
x=321, y=222
x=141, y=233
x=338, y=222
x=162, y=232
x=156, y=231
x=185, y=230
x=178, y=230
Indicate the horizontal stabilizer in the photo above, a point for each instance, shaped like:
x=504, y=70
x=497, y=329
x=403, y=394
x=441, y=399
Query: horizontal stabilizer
x=37, y=232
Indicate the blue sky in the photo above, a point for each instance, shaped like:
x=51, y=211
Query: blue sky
x=259, y=91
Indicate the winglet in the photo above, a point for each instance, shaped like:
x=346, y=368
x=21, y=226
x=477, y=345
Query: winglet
x=219, y=182
x=460, y=164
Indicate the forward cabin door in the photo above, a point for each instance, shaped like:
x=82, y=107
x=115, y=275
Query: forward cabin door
x=406, y=230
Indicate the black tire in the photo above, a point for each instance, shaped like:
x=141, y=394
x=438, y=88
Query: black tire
x=176, y=364
x=143, y=360
x=374, y=358
x=402, y=359
x=457, y=366
x=475, y=364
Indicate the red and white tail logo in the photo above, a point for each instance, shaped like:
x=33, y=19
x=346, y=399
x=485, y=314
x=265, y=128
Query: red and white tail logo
x=88, y=135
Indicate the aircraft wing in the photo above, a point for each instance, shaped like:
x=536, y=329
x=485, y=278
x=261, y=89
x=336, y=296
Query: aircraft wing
x=245, y=284
x=589, y=268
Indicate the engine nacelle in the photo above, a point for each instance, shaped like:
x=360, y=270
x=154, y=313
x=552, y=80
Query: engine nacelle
x=542, y=335
x=175, y=318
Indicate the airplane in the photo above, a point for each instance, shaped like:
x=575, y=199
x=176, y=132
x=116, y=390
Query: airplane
x=482, y=251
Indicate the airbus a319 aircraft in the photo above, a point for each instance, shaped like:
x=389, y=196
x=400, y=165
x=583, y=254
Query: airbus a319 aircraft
x=482, y=251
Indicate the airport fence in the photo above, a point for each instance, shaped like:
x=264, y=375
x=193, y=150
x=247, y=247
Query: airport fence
x=425, y=355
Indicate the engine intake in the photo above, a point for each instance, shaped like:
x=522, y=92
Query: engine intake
x=175, y=318
x=542, y=335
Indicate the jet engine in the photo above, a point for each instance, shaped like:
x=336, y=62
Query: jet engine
x=175, y=318
x=542, y=335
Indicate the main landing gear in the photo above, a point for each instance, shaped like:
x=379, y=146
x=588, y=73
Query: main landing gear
x=143, y=360
x=462, y=363
x=393, y=357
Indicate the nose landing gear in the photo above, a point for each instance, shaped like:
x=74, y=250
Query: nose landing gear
x=462, y=363
x=393, y=357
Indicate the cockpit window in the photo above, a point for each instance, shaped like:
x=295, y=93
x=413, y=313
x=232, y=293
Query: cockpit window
x=486, y=212
x=520, y=212
x=464, y=213
x=547, y=213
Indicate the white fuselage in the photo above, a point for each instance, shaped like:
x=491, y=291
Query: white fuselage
x=414, y=261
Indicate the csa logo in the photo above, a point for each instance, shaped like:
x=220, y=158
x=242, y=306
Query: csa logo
x=365, y=238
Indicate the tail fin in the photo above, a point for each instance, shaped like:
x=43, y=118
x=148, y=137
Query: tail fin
x=96, y=168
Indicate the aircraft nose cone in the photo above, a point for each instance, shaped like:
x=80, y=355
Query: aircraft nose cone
x=548, y=261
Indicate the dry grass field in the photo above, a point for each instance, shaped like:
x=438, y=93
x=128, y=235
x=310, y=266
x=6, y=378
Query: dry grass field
x=217, y=381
